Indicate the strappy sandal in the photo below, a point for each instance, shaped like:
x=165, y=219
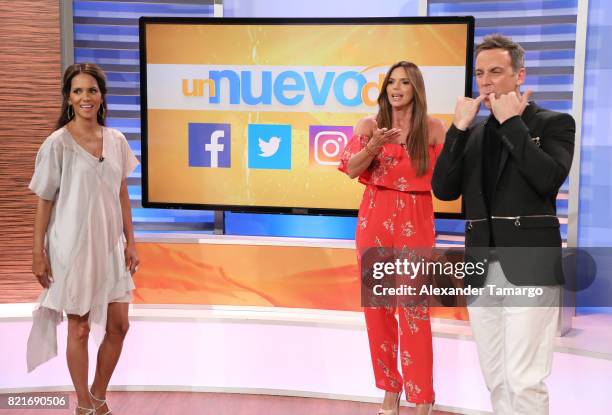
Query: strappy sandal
x=392, y=411
x=431, y=406
x=99, y=403
x=90, y=411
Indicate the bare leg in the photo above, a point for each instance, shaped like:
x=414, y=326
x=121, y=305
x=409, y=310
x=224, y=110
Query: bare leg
x=77, y=357
x=423, y=409
x=391, y=402
x=117, y=325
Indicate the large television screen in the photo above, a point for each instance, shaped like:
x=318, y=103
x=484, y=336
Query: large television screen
x=252, y=115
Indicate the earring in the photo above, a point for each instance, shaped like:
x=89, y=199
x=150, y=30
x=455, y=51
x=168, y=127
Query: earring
x=70, y=112
x=102, y=111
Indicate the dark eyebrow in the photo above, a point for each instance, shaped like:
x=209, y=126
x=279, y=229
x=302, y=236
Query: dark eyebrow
x=490, y=70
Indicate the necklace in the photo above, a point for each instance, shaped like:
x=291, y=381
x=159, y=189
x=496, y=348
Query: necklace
x=404, y=143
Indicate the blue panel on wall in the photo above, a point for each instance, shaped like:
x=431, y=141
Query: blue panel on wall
x=90, y=53
x=501, y=7
x=290, y=225
x=143, y=7
x=132, y=9
x=568, y=29
x=123, y=100
x=595, y=221
x=320, y=8
x=450, y=226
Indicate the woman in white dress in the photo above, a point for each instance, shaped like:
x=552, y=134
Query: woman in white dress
x=84, y=252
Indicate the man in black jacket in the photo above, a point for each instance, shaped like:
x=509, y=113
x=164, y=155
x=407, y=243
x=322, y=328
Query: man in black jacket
x=509, y=169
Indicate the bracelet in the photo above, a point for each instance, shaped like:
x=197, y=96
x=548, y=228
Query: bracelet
x=370, y=151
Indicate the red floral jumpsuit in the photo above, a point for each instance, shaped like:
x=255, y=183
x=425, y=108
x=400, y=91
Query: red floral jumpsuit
x=397, y=212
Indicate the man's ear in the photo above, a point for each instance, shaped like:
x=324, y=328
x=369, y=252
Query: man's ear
x=520, y=78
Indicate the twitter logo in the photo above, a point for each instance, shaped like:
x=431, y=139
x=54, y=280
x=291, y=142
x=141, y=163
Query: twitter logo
x=269, y=146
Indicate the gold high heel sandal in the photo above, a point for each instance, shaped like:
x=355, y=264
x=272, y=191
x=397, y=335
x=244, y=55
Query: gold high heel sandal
x=431, y=406
x=392, y=411
x=89, y=411
x=99, y=403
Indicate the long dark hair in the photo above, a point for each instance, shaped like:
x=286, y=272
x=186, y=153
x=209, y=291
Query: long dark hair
x=418, y=138
x=72, y=71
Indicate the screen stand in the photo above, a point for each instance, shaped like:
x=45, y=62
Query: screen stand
x=219, y=222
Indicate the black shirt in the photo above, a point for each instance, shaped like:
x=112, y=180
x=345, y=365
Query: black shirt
x=491, y=154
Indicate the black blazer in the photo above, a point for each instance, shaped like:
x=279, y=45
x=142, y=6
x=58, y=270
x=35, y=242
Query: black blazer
x=536, y=156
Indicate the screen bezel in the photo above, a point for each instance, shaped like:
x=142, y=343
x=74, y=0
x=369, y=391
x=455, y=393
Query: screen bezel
x=144, y=21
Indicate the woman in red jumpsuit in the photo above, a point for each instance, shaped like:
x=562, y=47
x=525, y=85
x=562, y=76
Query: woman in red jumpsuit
x=393, y=154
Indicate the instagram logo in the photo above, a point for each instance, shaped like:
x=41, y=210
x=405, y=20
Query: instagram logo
x=327, y=143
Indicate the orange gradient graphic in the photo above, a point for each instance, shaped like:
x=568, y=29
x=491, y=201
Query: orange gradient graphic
x=340, y=45
x=253, y=275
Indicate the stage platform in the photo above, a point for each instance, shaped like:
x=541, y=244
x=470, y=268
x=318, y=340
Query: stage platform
x=283, y=339
x=301, y=353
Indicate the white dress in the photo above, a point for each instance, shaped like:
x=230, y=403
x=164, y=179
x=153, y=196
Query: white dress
x=84, y=239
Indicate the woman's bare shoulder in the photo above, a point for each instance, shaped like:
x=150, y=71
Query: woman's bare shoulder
x=437, y=130
x=365, y=126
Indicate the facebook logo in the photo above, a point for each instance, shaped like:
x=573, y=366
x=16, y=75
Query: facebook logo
x=209, y=145
x=270, y=146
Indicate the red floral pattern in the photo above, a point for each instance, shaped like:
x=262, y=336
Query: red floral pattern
x=397, y=212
